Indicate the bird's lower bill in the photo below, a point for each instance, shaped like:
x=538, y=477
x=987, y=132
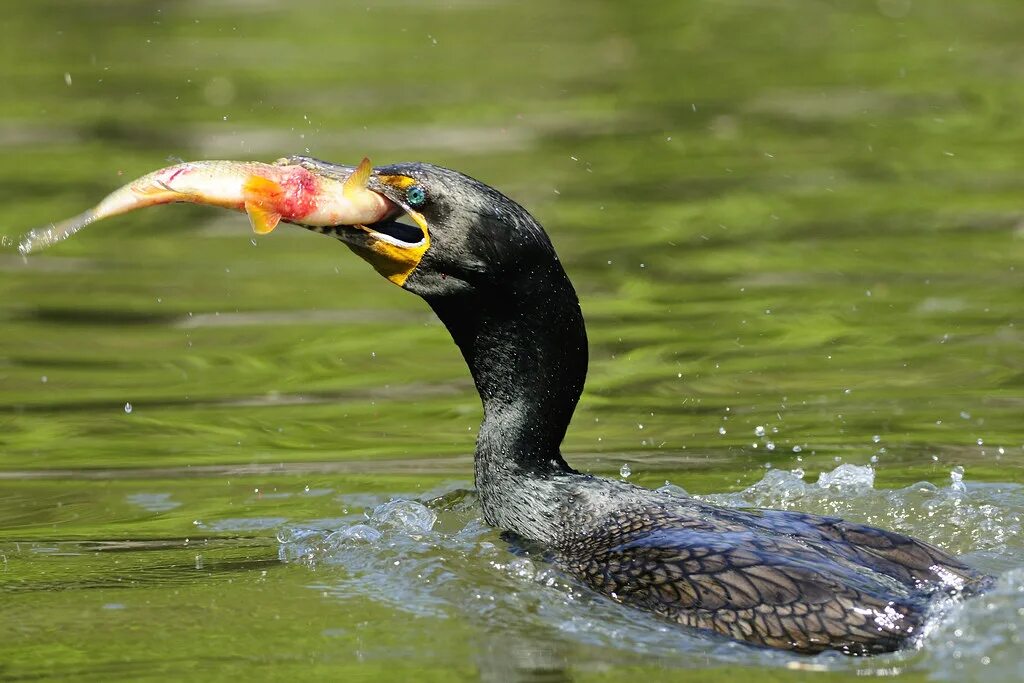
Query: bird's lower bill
x=393, y=246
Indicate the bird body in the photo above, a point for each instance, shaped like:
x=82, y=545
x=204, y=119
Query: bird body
x=782, y=579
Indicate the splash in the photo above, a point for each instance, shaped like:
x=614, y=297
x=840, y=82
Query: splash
x=962, y=518
x=436, y=558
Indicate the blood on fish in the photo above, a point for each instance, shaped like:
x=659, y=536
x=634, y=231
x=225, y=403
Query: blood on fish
x=300, y=193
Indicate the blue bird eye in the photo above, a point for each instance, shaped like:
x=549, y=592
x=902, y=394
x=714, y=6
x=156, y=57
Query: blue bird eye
x=416, y=195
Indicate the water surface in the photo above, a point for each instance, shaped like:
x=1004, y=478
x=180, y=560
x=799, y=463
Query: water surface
x=797, y=234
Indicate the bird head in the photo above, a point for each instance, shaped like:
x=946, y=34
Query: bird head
x=448, y=234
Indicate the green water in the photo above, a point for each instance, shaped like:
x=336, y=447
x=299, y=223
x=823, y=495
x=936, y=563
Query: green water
x=804, y=217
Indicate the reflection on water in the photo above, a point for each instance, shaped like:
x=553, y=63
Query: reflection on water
x=797, y=234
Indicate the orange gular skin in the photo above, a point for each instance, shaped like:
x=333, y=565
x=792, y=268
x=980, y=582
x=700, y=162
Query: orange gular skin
x=394, y=262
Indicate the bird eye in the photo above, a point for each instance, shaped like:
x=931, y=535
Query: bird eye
x=416, y=195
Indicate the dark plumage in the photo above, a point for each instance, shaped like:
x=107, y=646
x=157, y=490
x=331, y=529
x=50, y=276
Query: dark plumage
x=780, y=579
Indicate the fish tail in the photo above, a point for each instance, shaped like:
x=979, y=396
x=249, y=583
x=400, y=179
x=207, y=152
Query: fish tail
x=43, y=237
x=137, y=195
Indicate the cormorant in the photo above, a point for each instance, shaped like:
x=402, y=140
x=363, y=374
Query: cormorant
x=787, y=580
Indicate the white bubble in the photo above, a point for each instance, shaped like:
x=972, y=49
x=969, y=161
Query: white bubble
x=625, y=470
x=128, y=408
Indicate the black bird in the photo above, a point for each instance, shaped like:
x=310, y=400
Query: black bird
x=779, y=579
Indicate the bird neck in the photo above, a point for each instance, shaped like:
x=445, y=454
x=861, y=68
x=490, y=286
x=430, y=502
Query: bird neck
x=525, y=343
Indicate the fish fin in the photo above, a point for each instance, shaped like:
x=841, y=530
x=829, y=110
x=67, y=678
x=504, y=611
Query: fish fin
x=261, y=219
x=261, y=199
x=357, y=181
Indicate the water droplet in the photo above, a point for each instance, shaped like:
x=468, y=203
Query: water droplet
x=759, y=430
x=44, y=379
x=797, y=449
x=306, y=488
x=981, y=442
x=625, y=470
x=770, y=445
x=956, y=478
x=876, y=438
x=639, y=426
x=721, y=430
x=128, y=408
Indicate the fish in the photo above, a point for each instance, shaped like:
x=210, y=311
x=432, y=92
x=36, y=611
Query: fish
x=267, y=193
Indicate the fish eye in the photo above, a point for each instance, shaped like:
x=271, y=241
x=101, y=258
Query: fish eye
x=416, y=195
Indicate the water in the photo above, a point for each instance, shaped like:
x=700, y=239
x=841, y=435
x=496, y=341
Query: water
x=793, y=225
